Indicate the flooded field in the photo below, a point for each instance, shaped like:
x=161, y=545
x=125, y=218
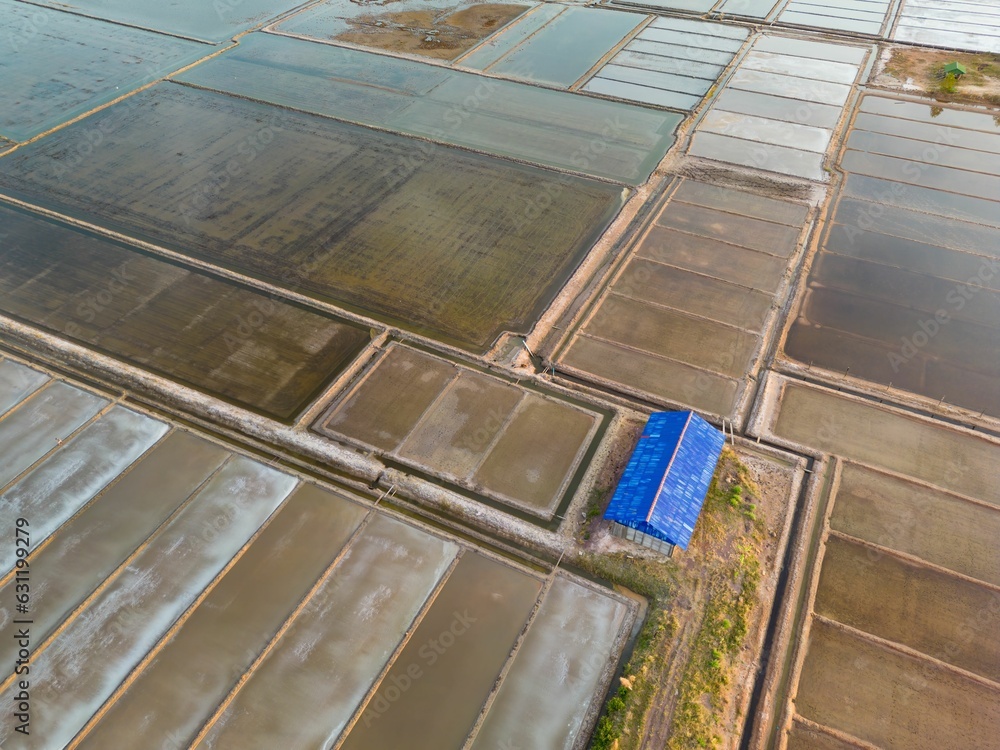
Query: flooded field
x=853, y=16
x=905, y=289
x=785, y=101
x=238, y=605
x=52, y=492
x=940, y=527
x=953, y=24
x=749, y=9
x=302, y=694
x=343, y=213
x=550, y=128
x=687, y=6
x=48, y=417
x=482, y=432
x=215, y=22
x=895, y=699
x=559, y=46
x=551, y=683
x=901, y=650
x=160, y=702
x=215, y=335
x=17, y=383
x=58, y=66
x=484, y=604
x=672, y=62
x=431, y=28
x=682, y=320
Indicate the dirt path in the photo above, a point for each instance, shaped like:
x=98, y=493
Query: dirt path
x=678, y=654
x=698, y=676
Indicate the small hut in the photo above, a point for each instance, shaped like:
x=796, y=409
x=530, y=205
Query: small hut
x=956, y=69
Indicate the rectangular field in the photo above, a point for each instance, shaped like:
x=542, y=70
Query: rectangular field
x=17, y=382
x=942, y=528
x=215, y=335
x=440, y=241
x=194, y=672
x=891, y=699
x=552, y=128
x=166, y=478
x=452, y=660
x=49, y=417
x=672, y=62
x=306, y=689
x=551, y=684
x=53, y=491
x=486, y=434
x=181, y=590
x=854, y=16
x=927, y=610
x=559, y=52
x=901, y=650
x=952, y=24
x=904, y=290
x=57, y=65
x=951, y=459
x=779, y=109
x=682, y=320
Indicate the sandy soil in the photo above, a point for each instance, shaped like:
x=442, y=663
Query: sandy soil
x=431, y=33
x=918, y=71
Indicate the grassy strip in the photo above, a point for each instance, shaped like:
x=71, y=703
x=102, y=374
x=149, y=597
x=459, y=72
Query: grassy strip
x=625, y=712
x=719, y=641
x=732, y=594
x=728, y=506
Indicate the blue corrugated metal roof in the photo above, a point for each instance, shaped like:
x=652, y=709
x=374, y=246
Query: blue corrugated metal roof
x=667, y=478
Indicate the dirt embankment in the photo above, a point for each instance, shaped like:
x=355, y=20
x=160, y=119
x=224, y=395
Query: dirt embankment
x=689, y=678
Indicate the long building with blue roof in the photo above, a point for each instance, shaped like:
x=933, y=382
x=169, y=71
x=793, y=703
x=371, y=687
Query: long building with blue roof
x=661, y=493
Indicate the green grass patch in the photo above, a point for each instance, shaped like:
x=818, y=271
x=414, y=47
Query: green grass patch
x=728, y=506
x=949, y=84
x=732, y=594
x=656, y=580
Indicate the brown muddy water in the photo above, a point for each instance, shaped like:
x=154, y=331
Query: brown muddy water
x=906, y=288
x=434, y=239
x=215, y=335
x=467, y=426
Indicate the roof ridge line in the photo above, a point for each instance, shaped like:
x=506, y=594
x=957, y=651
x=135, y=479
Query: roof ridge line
x=666, y=473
